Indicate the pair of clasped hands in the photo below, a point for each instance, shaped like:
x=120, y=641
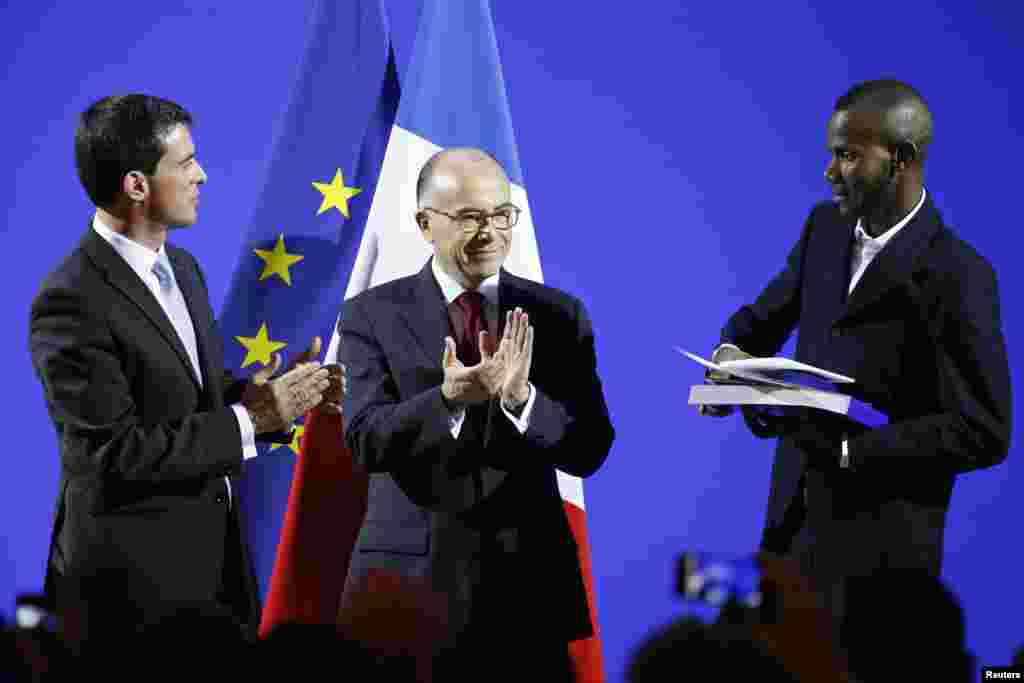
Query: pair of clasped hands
x=504, y=373
x=274, y=402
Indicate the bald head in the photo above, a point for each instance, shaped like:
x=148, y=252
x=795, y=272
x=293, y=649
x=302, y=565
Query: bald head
x=449, y=167
x=904, y=115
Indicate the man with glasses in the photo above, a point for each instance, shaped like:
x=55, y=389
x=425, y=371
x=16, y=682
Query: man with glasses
x=461, y=413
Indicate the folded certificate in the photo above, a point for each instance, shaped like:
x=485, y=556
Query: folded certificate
x=769, y=370
x=783, y=399
x=781, y=385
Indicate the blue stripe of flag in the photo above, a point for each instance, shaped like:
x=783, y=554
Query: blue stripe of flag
x=454, y=93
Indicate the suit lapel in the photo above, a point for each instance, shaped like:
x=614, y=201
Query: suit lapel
x=121, y=276
x=202, y=320
x=835, y=256
x=428, y=317
x=510, y=295
x=896, y=262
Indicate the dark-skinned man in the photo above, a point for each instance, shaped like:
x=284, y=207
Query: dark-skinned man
x=462, y=435
x=883, y=291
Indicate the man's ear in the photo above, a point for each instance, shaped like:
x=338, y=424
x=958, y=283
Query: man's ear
x=906, y=152
x=135, y=186
x=423, y=221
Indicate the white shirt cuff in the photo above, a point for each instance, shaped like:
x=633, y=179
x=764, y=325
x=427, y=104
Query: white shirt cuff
x=457, y=416
x=455, y=419
x=844, y=457
x=522, y=422
x=248, y=431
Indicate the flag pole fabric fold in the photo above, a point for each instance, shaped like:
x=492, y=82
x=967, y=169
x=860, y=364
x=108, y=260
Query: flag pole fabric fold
x=326, y=505
x=291, y=274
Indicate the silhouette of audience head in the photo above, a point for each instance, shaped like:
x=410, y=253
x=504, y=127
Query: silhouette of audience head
x=904, y=622
x=688, y=646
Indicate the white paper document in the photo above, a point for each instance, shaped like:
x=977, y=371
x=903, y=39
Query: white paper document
x=750, y=395
x=761, y=369
x=756, y=382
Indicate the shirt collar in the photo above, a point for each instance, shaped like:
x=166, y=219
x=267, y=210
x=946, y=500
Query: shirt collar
x=451, y=288
x=862, y=237
x=141, y=258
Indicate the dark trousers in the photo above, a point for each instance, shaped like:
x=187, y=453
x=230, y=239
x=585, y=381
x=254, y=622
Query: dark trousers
x=232, y=592
x=506, y=638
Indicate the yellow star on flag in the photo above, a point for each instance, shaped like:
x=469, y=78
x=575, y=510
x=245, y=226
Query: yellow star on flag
x=278, y=261
x=336, y=195
x=296, y=438
x=260, y=347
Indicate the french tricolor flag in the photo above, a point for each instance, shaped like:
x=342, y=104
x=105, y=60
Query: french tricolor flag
x=453, y=95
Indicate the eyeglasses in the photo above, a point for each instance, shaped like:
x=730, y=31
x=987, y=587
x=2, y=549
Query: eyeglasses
x=470, y=221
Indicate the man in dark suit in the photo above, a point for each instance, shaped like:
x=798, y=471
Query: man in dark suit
x=151, y=430
x=462, y=436
x=882, y=291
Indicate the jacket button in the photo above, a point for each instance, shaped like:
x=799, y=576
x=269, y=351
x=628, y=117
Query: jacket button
x=220, y=499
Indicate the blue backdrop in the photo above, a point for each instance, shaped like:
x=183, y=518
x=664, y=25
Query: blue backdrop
x=671, y=155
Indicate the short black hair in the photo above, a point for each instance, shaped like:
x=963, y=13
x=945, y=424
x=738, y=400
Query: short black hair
x=907, y=117
x=119, y=134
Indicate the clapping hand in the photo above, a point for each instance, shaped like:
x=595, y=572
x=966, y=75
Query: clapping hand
x=474, y=384
x=504, y=374
x=516, y=351
x=273, y=404
x=336, y=390
x=338, y=385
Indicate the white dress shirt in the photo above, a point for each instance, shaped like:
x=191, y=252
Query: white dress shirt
x=489, y=289
x=866, y=248
x=142, y=260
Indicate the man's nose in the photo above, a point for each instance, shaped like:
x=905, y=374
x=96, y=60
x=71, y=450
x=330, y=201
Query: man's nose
x=483, y=228
x=830, y=170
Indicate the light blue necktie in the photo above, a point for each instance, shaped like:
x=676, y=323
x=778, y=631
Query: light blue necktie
x=173, y=303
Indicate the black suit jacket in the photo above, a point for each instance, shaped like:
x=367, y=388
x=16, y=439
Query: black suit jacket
x=437, y=505
x=144, y=448
x=921, y=334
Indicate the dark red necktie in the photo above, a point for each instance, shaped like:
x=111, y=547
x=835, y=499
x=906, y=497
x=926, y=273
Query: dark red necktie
x=467, y=317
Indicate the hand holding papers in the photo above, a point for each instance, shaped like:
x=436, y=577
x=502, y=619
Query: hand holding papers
x=767, y=370
x=781, y=385
x=725, y=352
